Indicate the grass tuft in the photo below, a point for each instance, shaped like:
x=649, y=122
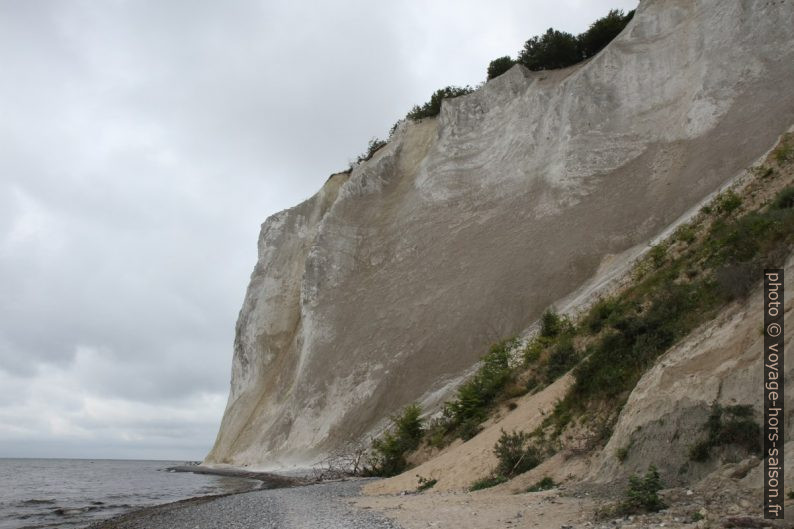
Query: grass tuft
x=487, y=482
x=544, y=484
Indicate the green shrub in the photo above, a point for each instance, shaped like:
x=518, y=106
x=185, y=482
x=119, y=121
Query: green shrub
x=403, y=436
x=500, y=66
x=372, y=147
x=436, y=432
x=731, y=425
x=409, y=426
x=470, y=428
x=657, y=254
x=551, y=324
x=755, y=234
x=488, y=482
x=700, y=451
x=433, y=107
x=476, y=396
x=388, y=456
x=602, y=32
x=616, y=361
x=562, y=358
x=558, y=49
x=685, y=233
x=784, y=199
x=533, y=350
x=741, y=432
x=425, y=483
x=642, y=494
x=735, y=281
x=515, y=454
x=532, y=384
x=554, y=49
x=393, y=128
x=785, y=151
x=622, y=453
x=601, y=313
x=544, y=484
x=727, y=202
x=560, y=417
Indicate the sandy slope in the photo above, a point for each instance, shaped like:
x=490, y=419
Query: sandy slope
x=462, y=463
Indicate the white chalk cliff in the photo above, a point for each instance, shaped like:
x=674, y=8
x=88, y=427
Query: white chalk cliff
x=391, y=282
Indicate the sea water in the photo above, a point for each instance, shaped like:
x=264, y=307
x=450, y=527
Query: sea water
x=72, y=493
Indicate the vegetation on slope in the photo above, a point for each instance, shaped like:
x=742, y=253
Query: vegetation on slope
x=476, y=397
x=715, y=259
x=387, y=457
x=642, y=494
x=680, y=283
x=545, y=483
x=732, y=425
x=515, y=455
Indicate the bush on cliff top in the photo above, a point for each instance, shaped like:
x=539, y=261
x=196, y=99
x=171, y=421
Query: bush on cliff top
x=602, y=32
x=554, y=49
x=500, y=66
x=558, y=49
x=433, y=107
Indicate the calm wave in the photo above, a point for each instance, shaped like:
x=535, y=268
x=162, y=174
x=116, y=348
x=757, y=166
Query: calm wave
x=71, y=493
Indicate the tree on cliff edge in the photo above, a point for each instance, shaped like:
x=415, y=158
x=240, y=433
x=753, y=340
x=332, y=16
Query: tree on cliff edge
x=554, y=49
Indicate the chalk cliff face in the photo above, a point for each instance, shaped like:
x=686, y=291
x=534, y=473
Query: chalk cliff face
x=391, y=282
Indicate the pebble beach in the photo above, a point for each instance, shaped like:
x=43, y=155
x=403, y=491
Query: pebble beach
x=320, y=506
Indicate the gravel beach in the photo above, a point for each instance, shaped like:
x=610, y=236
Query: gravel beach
x=321, y=506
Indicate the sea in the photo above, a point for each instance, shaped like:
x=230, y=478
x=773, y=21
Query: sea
x=73, y=493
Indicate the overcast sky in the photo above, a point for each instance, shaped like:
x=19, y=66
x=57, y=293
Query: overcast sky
x=143, y=142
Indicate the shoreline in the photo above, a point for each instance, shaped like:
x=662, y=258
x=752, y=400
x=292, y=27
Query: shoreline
x=144, y=513
x=266, y=508
x=342, y=504
x=268, y=481
x=273, y=480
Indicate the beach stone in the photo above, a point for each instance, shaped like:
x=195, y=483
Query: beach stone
x=322, y=506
